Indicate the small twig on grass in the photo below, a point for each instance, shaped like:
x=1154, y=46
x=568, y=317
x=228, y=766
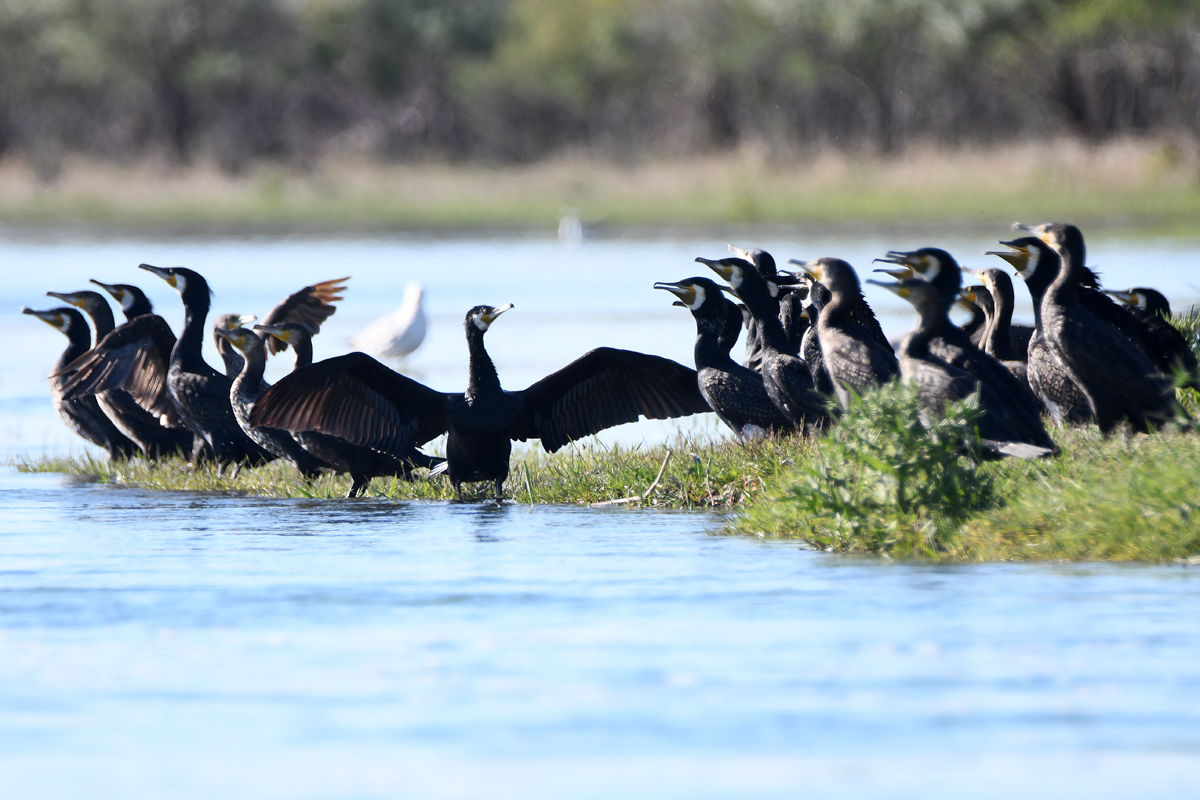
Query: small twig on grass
x=638, y=498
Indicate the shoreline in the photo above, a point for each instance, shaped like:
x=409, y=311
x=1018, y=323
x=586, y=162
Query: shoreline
x=1139, y=186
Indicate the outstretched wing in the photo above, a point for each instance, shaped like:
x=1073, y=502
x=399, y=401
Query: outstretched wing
x=134, y=356
x=603, y=388
x=357, y=399
x=310, y=306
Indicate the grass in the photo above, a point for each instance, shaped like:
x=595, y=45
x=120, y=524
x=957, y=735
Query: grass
x=1142, y=184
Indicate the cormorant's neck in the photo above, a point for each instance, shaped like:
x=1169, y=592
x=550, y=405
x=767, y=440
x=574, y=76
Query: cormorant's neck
x=1065, y=285
x=997, y=334
x=482, y=379
x=709, y=351
x=304, y=352
x=141, y=305
x=78, y=342
x=254, y=364
x=189, y=347
x=102, y=318
x=930, y=322
x=765, y=310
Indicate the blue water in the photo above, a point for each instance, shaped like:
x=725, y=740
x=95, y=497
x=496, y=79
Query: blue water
x=196, y=646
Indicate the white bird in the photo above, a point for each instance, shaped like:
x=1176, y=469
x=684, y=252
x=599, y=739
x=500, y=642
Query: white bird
x=399, y=333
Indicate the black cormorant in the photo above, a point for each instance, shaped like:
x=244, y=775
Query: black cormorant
x=357, y=399
x=1120, y=382
x=81, y=414
x=1151, y=307
x=734, y=392
x=784, y=375
x=810, y=344
x=854, y=358
x=997, y=338
x=201, y=394
x=939, y=268
x=361, y=463
x=939, y=383
x=975, y=300
x=144, y=428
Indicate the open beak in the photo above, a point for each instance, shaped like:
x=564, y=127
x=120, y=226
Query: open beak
x=162, y=273
x=1128, y=298
x=895, y=288
x=900, y=273
x=1018, y=256
x=685, y=293
x=490, y=317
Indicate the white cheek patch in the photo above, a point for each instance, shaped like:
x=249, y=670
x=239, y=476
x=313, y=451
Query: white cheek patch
x=480, y=322
x=773, y=288
x=1031, y=264
x=126, y=300
x=699, y=301
x=932, y=268
x=735, y=277
x=180, y=283
x=1141, y=299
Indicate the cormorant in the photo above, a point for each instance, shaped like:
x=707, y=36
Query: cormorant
x=247, y=388
x=361, y=463
x=81, y=414
x=854, y=359
x=735, y=393
x=1153, y=310
x=788, y=306
x=810, y=344
x=997, y=338
x=1117, y=378
x=976, y=300
x=939, y=383
x=201, y=394
x=1051, y=382
x=955, y=348
x=142, y=427
x=357, y=399
x=784, y=375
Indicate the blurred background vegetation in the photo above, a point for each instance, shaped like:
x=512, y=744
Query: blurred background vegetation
x=515, y=81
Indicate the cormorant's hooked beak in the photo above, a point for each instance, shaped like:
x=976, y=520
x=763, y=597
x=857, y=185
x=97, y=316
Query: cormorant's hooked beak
x=1040, y=231
x=966, y=299
x=718, y=266
x=895, y=288
x=913, y=265
x=52, y=318
x=901, y=273
x=237, y=321
x=165, y=274
x=118, y=294
x=1128, y=298
x=489, y=317
x=740, y=252
x=235, y=336
x=685, y=293
x=810, y=269
x=70, y=298
x=282, y=334
x=1017, y=256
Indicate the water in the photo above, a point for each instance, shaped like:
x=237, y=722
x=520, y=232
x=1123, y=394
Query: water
x=197, y=646
x=181, y=645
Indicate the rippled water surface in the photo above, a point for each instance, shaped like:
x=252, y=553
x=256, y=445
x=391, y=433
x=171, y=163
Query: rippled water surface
x=181, y=645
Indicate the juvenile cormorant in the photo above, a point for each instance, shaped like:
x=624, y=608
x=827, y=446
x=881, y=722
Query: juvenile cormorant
x=997, y=338
x=860, y=310
x=939, y=268
x=854, y=359
x=357, y=399
x=201, y=394
x=784, y=375
x=361, y=463
x=974, y=299
x=939, y=383
x=142, y=427
x=81, y=414
x=735, y=393
x=1120, y=382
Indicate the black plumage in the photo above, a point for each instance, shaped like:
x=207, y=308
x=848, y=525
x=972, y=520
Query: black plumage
x=1173, y=354
x=854, y=358
x=940, y=383
x=997, y=339
x=784, y=375
x=146, y=429
x=974, y=299
x=734, y=392
x=939, y=268
x=359, y=400
x=81, y=414
x=810, y=344
x=201, y=394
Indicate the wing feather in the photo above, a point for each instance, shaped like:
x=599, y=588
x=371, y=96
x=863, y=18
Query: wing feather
x=310, y=307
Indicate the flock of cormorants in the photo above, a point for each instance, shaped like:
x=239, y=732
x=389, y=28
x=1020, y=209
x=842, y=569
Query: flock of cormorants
x=811, y=340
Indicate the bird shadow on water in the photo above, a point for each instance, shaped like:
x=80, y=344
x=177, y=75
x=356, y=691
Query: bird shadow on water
x=486, y=518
